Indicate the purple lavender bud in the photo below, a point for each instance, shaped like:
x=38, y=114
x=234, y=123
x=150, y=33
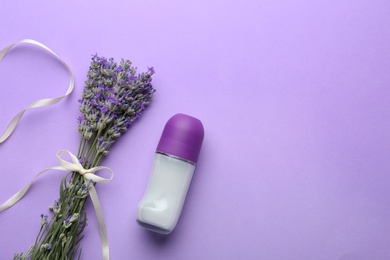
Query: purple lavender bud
x=80, y=119
x=95, y=57
x=98, y=95
x=103, y=109
x=151, y=70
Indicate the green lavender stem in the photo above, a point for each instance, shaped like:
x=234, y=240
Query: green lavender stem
x=61, y=234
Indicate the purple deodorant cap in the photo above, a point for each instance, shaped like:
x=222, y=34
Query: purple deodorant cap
x=182, y=137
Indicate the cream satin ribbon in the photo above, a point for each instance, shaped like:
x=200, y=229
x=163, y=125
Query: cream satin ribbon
x=39, y=103
x=88, y=174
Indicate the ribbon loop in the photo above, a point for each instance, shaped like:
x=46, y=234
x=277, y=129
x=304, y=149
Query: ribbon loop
x=39, y=103
x=73, y=167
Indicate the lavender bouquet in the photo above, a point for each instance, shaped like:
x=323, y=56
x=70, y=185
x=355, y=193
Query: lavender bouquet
x=113, y=98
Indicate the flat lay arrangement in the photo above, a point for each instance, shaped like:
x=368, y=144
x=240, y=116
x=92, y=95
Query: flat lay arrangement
x=194, y=130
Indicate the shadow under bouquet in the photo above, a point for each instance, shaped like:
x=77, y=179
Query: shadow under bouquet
x=113, y=98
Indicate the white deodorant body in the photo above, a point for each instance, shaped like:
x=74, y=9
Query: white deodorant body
x=162, y=203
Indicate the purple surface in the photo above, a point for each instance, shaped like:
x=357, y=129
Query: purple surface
x=182, y=137
x=295, y=97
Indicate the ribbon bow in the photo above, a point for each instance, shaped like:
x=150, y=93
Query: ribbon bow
x=88, y=174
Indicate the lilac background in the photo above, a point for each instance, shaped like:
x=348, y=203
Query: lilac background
x=294, y=97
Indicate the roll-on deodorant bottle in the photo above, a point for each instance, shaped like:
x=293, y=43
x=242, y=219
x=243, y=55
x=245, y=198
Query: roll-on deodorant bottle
x=174, y=164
